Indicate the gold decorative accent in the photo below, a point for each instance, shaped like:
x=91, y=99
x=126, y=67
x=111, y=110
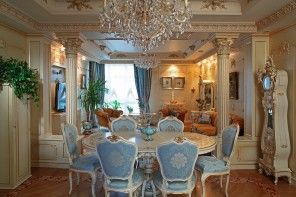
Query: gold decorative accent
x=179, y=139
x=214, y=4
x=268, y=69
x=113, y=138
x=72, y=45
x=223, y=45
x=284, y=49
x=271, y=19
x=79, y=4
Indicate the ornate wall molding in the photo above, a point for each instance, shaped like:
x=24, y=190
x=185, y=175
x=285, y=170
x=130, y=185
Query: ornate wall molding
x=284, y=11
x=284, y=48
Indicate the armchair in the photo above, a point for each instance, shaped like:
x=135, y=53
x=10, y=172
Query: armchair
x=105, y=115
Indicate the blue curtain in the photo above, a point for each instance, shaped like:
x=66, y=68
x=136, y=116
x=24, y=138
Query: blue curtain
x=143, y=79
x=97, y=71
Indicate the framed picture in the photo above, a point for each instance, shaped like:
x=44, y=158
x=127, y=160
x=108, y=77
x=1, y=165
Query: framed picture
x=179, y=82
x=233, y=85
x=166, y=82
x=83, y=82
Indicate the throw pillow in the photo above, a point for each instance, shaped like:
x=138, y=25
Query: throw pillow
x=204, y=119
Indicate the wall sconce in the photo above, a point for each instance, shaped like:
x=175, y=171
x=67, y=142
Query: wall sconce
x=193, y=90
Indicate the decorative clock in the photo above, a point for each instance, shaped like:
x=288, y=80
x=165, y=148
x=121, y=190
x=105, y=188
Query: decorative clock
x=275, y=141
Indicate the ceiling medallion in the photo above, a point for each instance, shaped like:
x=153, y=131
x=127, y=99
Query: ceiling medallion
x=79, y=4
x=214, y=4
x=146, y=23
x=147, y=61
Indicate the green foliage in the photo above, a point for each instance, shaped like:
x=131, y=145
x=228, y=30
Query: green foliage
x=20, y=77
x=93, y=95
x=130, y=109
x=115, y=104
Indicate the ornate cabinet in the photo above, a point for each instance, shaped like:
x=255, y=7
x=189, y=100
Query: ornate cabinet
x=275, y=141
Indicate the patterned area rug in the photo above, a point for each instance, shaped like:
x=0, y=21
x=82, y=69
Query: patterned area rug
x=265, y=187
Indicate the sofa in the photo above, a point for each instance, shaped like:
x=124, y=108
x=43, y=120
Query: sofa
x=206, y=122
x=105, y=116
x=170, y=111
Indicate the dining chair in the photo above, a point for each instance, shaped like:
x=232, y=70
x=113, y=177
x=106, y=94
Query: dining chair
x=170, y=124
x=89, y=164
x=123, y=123
x=176, y=159
x=212, y=166
x=117, y=157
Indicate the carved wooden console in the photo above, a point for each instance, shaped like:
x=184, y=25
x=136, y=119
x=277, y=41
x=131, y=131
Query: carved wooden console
x=275, y=141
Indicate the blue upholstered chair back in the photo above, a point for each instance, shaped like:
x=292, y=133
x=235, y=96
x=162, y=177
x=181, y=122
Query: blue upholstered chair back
x=123, y=123
x=171, y=123
x=229, y=138
x=177, y=159
x=70, y=135
x=117, y=157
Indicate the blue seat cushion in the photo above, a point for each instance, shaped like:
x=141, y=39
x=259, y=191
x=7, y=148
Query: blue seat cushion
x=86, y=163
x=210, y=164
x=137, y=180
x=175, y=185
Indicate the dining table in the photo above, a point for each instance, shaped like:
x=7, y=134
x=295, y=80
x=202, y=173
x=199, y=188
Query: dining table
x=147, y=149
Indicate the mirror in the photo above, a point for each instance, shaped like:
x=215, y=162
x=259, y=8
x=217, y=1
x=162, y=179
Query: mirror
x=267, y=84
x=206, y=96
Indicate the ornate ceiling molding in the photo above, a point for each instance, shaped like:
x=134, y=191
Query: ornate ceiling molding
x=284, y=11
x=238, y=27
x=12, y=12
x=214, y=4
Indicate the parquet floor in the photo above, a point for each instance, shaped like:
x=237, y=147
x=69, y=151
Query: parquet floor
x=46, y=182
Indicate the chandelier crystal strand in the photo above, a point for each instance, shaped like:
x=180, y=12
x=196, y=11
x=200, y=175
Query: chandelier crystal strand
x=146, y=23
x=147, y=61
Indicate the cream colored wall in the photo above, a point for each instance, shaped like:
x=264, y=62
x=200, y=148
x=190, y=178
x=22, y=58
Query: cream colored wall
x=159, y=96
x=283, y=51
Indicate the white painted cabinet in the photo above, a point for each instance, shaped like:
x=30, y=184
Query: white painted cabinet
x=15, y=158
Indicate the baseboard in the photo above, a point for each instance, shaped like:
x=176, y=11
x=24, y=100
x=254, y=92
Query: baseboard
x=17, y=184
x=50, y=165
x=244, y=166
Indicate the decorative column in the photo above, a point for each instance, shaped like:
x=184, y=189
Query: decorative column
x=72, y=46
x=223, y=43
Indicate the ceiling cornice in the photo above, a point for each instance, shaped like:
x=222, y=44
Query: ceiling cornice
x=281, y=13
x=11, y=12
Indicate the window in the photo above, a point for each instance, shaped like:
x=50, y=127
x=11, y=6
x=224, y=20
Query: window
x=120, y=81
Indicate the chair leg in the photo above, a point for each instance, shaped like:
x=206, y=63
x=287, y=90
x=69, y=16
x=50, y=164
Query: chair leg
x=227, y=183
x=107, y=194
x=70, y=182
x=130, y=194
x=93, y=183
x=203, y=185
x=221, y=181
x=77, y=178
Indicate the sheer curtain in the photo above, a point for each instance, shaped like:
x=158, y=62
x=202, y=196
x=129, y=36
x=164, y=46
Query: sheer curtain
x=120, y=81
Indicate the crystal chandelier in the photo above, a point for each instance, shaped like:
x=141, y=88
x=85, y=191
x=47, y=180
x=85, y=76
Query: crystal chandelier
x=146, y=23
x=147, y=61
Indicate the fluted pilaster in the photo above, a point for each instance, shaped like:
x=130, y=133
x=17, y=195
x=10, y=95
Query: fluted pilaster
x=223, y=45
x=72, y=46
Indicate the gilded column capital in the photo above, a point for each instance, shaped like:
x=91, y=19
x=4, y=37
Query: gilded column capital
x=223, y=45
x=72, y=45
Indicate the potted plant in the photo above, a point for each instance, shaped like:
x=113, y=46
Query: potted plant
x=18, y=75
x=115, y=104
x=130, y=109
x=92, y=98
